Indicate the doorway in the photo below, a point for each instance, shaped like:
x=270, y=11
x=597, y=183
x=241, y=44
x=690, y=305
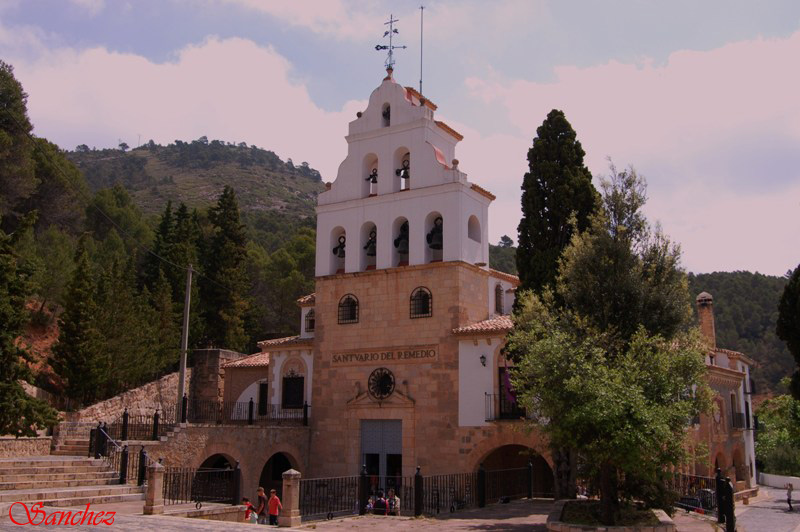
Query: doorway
x=382, y=452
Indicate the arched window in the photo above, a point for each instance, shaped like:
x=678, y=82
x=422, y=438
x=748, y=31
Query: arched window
x=474, y=228
x=498, y=299
x=310, y=321
x=421, y=303
x=348, y=309
x=386, y=114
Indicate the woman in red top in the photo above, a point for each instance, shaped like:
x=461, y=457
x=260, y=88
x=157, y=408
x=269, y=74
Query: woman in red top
x=275, y=507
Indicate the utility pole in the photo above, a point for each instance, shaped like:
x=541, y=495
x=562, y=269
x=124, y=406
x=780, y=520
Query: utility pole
x=184, y=343
x=421, y=13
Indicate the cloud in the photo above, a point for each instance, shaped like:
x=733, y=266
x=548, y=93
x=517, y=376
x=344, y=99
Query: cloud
x=715, y=133
x=92, y=6
x=231, y=89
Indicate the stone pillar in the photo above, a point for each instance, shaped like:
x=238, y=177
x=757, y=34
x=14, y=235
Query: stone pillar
x=290, y=515
x=705, y=312
x=207, y=382
x=154, y=496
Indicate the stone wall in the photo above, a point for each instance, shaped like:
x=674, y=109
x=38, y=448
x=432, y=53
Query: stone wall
x=208, y=382
x=11, y=447
x=139, y=401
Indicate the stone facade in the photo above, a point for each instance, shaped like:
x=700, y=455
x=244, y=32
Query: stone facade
x=11, y=447
x=207, y=383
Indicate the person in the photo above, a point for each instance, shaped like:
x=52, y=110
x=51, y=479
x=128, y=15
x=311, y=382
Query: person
x=394, y=502
x=789, y=489
x=248, y=512
x=261, y=510
x=380, y=507
x=275, y=507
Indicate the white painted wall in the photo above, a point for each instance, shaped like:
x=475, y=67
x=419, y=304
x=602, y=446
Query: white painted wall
x=475, y=380
x=303, y=332
x=778, y=481
x=508, y=297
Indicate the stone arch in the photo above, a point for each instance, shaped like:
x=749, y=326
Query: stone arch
x=516, y=456
x=271, y=476
x=367, y=262
x=720, y=462
x=740, y=469
x=368, y=175
x=506, y=435
x=217, y=460
x=338, y=249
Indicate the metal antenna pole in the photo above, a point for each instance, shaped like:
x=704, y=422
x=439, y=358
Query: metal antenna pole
x=421, y=13
x=184, y=343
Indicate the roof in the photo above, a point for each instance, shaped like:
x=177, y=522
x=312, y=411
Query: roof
x=704, y=296
x=253, y=361
x=450, y=130
x=736, y=354
x=422, y=100
x=483, y=192
x=307, y=300
x=498, y=324
x=287, y=341
x=505, y=276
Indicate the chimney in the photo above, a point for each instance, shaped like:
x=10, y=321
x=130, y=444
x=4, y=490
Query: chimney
x=705, y=312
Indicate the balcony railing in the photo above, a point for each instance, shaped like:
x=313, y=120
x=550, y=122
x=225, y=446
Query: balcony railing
x=751, y=386
x=738, y=421
x=241, y=413
x=499, y=407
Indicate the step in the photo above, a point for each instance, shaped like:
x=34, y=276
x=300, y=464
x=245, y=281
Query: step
x=74, y=453
x=83, y=501
x=78, y=441
x=48, y=461
x=76, y=450
x=66, y=483
x=87, y=492
x=98, y=473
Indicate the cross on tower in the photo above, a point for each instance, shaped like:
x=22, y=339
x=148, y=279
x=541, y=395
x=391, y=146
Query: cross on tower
x=390, y=47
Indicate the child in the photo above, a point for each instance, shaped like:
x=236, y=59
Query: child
x=275, y=507
x=249, y=516
x=393, y=502
x=789, y=489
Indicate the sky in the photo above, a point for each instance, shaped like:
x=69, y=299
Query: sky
x=701, y=98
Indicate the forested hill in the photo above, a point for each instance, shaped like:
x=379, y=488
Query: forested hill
x=745, y=314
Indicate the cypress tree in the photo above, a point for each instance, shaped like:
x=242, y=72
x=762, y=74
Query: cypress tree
x=162, y=246
x=556, y=187
x=788, y=327
x=224, y=297
x=78, y=356
x=20, y=414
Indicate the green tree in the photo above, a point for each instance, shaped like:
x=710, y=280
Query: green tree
x=609, y=371
x=788, y=328
x=115, y=204
x=557, y=199
x=17, y=176
x=78, y=356
x=20, y=414
x=223, y=289
x=778, y=437
x=56, y=250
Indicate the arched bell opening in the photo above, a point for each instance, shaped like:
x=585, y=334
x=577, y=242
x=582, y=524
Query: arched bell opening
x=369, y=246
x=434, y=237
x=338, y=244
x=400, y=243
x=506, y=466
x=272, y=472
x=386, y=115
x=369, y=184
x=402, y=172
x=474, y=229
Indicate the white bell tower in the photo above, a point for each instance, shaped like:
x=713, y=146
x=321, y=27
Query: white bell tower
x=399, y=198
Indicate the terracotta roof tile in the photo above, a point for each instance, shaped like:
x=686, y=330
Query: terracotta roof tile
x=427, y=103
x=252, y=361
x=513, y=279
x=498, y=324
x=450, y=130
x=289, y=340
x=307, y=300
x=483, y=192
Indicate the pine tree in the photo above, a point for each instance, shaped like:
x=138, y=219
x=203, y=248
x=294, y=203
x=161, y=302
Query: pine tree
x=223, y=289
x=557, y=187
x=788, y=328
x=20, y=414
x=162, y=246
x=78, y=356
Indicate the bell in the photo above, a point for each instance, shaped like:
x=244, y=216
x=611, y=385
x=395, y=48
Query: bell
x=435, y=236
x=387, y=114
x=401, y=242
x=371, y=243
x=373, y=177
x=339, y=250
x=405, y=171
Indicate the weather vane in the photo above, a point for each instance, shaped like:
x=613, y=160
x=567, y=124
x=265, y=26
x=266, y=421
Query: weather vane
x=390, y=47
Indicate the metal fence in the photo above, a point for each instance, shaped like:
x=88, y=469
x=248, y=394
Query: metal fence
x=500, y=407
x=443, y=493
x=142, y=426
x=328, y=497
x=242, y=413
x=511, y=484
x=182, y=485
x=695, y=492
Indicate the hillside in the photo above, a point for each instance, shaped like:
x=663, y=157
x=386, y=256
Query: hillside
x=195, y=173
x=745, y=314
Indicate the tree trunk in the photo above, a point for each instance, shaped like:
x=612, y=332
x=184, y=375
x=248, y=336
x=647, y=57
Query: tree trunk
x=609, y=500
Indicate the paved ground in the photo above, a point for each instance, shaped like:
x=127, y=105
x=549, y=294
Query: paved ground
x=767, y=513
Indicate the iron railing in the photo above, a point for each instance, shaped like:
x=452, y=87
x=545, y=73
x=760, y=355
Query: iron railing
x=449, y=492
x=142, y=427
x=182, y=485
x=328, y=497
x=695, y=492
x=499, y=407
x=128, y=463
x=737, y=420
x=511, y=484
x=241, y=413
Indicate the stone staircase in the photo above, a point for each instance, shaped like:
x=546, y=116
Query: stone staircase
x=62, y=481
x=73, y=439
